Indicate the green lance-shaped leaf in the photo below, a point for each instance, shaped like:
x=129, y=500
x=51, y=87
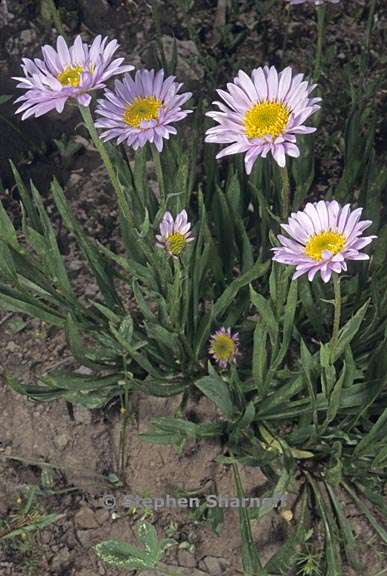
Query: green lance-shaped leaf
x=281, y=396
x=15, y=301
x=74, y=382
x=224, y=229
x=378, y=500
x=141, y=303
x=265, y=311
x=218, y=392
x=288, y=323
x=354, y=398
x=52, y=257
x=377, y=432
x=332, y=549
x=26, y=198
x=147, y=535
x=131, y=349
x=379, y=529
x=232, y=290
x=241, y=237
x=7, y=230
x=163, y=388
x=85, y=356
x=380, y=460
x=39, y=393
x=349, y=331
x=123, y=555
x=250, y=558
x=243, y=423
x=259, y=364
x=349, y=542
x=7, y=265
x=131, y=267
x=176, y=431
x=97, y=265
x=38, y=524
x=203, y=333
x=166, y=340
x=335, y=396
x=286, y=557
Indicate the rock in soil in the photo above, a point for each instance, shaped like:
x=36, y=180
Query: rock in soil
x=214, y=566
x=61, y=441
x=62, y=559
x=85, y=519
x=186, y=559
x=82, y=415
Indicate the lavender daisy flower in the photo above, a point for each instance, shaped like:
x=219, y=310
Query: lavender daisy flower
x=142, y=109
x=316, y=2
x=224, y=346
x=174, y=234
x=66, y=73
x=323, y=237
x=263, y=113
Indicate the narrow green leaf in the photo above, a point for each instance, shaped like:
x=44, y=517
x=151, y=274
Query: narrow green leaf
x=349, y=331
x=377, y=432
x=379, y=529
x=232, y=290
x=250, y=558
x=265, y=311
x=218, y=392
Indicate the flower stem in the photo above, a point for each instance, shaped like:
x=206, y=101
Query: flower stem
x=321, y=22
x=285, y=190
x=159, y=172
x=88, y=120
x=125, y=421
x=337, y=315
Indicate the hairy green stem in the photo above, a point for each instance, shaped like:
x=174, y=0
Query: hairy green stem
x=285, y=192
x=160, y=175
x=88, y=121
x=337, y=314
x=125, y=422
x=321, y=23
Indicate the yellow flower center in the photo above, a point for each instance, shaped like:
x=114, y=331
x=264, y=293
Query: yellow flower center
x=266, y=119
x=223, y=347
x=71, y=76
x=142, y=109
x=176, y=243
x=332, y=241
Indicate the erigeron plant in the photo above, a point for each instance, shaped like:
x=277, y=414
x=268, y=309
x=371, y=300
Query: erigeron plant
x=298, y=378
